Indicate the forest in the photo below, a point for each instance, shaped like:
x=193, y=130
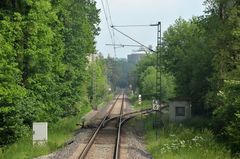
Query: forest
x=44, y=47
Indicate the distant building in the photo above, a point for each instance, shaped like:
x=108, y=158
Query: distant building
x=135, y=58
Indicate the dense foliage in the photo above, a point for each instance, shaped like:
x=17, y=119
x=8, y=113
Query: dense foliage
x=146, y=79
x=98, y=85
x=203, y=55
x=43, y=52
x=185, y=56
x=224, y=96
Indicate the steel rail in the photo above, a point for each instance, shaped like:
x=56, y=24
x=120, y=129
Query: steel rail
x=133, y=114
x=118, y=137
x=142, y=111
x=91, y=141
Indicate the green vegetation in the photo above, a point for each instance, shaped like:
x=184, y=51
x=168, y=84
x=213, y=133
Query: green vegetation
x=203, y=55
x=146, y=79
x=186, y=57
x=97, y=71
x=45, y=74
x=148, y=83
x=176, y=141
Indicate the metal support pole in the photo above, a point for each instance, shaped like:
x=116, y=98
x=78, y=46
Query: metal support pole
x=157, y=119
x=158, y=65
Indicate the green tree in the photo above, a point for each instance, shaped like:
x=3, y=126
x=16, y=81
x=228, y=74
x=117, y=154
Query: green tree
x=44, y=48
x=224, y=94
x=148, y=84
x=97, y=72
x=11, y=92
x=186, y=57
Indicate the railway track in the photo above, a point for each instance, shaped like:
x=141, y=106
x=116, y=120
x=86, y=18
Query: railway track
x=111, y=133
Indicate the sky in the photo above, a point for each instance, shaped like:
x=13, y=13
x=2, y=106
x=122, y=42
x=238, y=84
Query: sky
x=141, y=12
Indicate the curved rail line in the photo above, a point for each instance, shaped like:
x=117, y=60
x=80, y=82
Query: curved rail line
x=93, y=137
x=118, y=138
x=143, y=111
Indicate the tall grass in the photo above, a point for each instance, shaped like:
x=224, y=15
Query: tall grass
x=177, y=141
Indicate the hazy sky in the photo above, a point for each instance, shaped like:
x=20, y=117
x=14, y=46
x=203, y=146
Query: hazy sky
x=125, y=12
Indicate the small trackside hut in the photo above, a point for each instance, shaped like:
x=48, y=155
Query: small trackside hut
x=179, y=109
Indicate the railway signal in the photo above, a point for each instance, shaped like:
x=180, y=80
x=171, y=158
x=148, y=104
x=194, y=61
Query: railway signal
x=155, y=105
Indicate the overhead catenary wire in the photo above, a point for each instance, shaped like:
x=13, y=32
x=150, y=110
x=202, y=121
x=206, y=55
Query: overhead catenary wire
x=109, y=12
x=113, y=33
x=131, y=25
x=113, y=28
x=123, y=45
x=108, y=25
x=132, y=39
x=111, y=23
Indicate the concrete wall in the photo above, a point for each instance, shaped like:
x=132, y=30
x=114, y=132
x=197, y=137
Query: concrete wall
x=172, y=110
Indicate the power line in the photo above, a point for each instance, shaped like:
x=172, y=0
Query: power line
x=123, y=45
x=111, y=23
x=109, y=12
x=132, y=25
x=133, y=39
x=108, y=26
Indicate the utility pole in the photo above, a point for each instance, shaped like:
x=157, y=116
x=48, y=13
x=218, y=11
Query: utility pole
x=159, y=63
x=157, y=119
x=159, y=76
